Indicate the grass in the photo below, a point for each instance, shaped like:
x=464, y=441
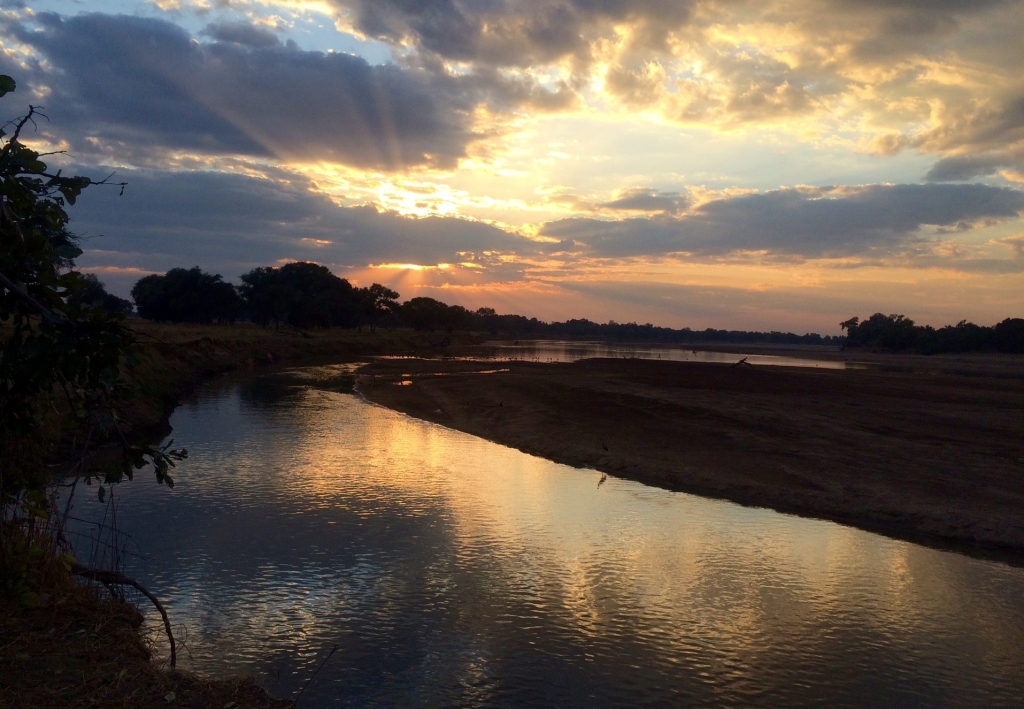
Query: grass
x=75, y=649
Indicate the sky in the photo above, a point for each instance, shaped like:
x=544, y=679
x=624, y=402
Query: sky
x=766, y=165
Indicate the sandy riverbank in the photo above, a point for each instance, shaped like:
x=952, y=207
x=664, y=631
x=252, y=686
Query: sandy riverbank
x=927, y=449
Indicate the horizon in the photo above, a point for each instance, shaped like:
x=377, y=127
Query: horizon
x=759, y=167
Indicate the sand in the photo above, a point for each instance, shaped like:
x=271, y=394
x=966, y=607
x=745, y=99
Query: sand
x=925, y=449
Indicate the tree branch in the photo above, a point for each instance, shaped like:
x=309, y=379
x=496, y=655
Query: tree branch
x=35, y=304
x=112, y=577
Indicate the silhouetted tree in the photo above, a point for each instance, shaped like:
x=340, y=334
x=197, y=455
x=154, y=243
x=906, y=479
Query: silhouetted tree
x=897, y=333
x=264, y=298
x=189, y=295
x=377, y=302
x=90, y=293
x=888, y=332
x=1009, y=335
x=301, y=294
x=428, y=314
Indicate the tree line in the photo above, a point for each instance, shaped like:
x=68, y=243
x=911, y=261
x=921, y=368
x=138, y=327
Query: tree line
x=307, y=295
x=300, y=295
x=897, y=333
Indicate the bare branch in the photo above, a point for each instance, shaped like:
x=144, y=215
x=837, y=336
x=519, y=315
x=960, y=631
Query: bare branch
x=112, y=577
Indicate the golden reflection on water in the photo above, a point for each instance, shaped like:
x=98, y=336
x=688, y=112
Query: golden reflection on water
x=516, y=555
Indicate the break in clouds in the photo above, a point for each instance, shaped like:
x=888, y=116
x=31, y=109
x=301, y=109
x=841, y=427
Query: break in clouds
x=229, y=90
x=232, y=223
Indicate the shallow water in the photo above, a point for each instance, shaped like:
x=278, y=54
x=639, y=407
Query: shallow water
x=451, y=571
x=572, y=351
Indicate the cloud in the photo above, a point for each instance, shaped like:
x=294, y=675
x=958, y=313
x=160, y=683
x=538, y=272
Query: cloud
x=518, y=33
x=232, y=223
x=799, y=223
x=642, y=199
x=134, y=83
x=241, y=33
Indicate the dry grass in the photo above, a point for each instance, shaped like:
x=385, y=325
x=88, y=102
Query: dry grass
x=75, y=649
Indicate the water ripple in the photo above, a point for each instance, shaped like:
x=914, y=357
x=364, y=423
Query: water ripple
x=455, y=572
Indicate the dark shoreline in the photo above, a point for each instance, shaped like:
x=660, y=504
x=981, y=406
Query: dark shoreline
x=923, y=449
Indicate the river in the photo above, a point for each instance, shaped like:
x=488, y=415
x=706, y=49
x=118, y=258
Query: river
x=451, y=571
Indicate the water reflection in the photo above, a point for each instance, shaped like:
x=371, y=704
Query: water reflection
x=456, y=572
x=573, y=350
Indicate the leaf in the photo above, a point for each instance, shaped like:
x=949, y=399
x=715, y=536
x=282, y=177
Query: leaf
x=7, y=84
x=169, y=697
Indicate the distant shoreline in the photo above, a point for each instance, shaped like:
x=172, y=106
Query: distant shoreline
x=927, y=449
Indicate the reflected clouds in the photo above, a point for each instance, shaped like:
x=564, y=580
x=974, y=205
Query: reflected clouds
x=431, y=557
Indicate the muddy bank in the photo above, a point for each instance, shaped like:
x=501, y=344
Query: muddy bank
x=926, y=449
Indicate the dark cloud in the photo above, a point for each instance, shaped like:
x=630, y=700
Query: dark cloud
x=798, y=223
x=642, y=199
x=231, y=223
x=966, y=167
x=135, y=82
x=241, y=33
x=512, y=32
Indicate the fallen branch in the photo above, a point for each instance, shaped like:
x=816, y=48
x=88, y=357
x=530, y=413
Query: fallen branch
x=111, y=577
x=333, y=650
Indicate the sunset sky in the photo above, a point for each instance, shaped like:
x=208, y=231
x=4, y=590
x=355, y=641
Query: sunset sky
x=735, y=164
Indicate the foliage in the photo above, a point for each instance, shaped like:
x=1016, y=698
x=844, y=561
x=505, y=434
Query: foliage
x=377, y=302
x=429, y=314
x=897, y=333
x=91, y=293
x=302, y=295
x=190, y=295
x=62, y=353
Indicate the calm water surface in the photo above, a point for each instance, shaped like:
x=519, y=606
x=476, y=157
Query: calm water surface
x=451, y=571
x=574, y=350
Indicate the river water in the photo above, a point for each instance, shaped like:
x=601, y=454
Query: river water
x=450, y=571
x=574, y=350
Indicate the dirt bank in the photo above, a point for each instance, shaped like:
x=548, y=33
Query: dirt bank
x=927, y=449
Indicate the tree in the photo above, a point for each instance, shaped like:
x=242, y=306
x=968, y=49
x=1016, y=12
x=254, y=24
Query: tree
x=1009, y=335
x=888, y=332
x=189, y=295
x=92, y=293
x=62, y=356
x=378, y=301
x=428, y=314
x=300, y=294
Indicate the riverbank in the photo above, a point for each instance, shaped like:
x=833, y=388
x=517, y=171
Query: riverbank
x=922, y=448
x=76, y=649
x=172, y=360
